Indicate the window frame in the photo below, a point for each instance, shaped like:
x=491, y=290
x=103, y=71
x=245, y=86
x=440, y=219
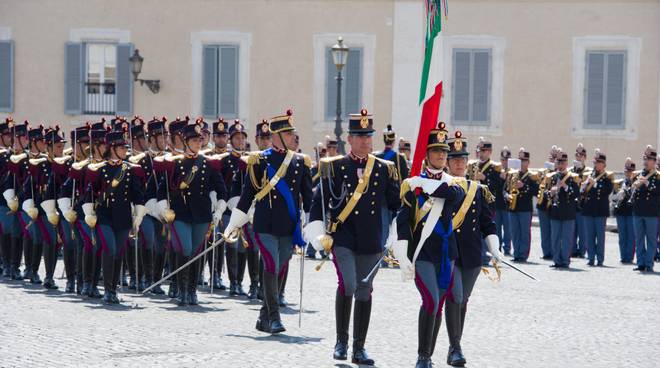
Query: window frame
x=330, y=112
x=471, y=121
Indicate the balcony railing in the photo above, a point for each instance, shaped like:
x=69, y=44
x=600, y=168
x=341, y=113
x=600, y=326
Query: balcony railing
x=99, y=98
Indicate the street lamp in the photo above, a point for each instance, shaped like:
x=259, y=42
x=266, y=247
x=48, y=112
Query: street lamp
x=136, y=66
x=339, y=57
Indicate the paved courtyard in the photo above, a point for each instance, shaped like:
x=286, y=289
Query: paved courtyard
x=582, y=317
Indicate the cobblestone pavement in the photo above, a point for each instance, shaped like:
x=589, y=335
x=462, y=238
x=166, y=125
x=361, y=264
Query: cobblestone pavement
x=582, y=317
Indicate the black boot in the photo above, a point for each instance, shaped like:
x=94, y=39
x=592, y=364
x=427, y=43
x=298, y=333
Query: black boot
x=130, y=260
x=79, y=268
x=232, y=270
x=6, y=255
x=69, y=257
x=146, y=272
x=159, y=263
x=194, y=273
x=173, y=291
x=37, y=252
x=453, y=317
x=270, y=298
x=253, y=271
x=455, y=357
x=263, y=323
x=96, y=275
x=182, y=280
x=108, y=278
x=343, y=306
x=425, y=327
x=28, y=247
x=361, y=319
x=282, y=286
x=241, y=258
x=87, y=271
x=50, y=261
x=16, y=253
x=252, y=293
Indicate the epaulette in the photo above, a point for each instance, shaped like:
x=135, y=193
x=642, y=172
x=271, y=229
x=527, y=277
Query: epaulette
x=161, y=158
x=307, y=159
x=325, y=166
x=392, y=172
x=135, y=159
x=575, y=177
x=458, y=180
x=171, y=158
x=62, y=160
x=534, y=175
x=80, y=164
x=218, y=156
x=610, y=175
x=37, y=161
x=549, y=175
x=3, y=151
x=133, y=166
x=254, y=158
x=17, y=158
x=405, y=188
x=497, y=166
x=95, y=167
x=490, y=198
x=205, y=151
x=68, y=151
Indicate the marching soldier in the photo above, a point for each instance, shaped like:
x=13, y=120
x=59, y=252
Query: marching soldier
x=7, y=218
x=501, y=206
x=404, y=148
x=197, y=198
x=355, y=189
x=473, y=225
x=645, y=193
x=332, y=146
x=543, y=204
x=279, y=182
x=389, y=154
x=432, y=253
x=594, y=192
x=579, y=247
x=487, y=172
x=522, y=187
x=114, y=186
x=623, y=209
x=563, y=191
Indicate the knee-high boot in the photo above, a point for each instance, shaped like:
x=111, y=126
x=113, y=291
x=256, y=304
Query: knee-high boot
x=454, y=328
x=343, y=307
x=37, y=252
x=361, y=318
x=282, y=287
x=193, y=276
x=96, y=276
x=28, y=247
x=253, y=271
x=16, y=253
x=50, y=261
x=6, y=255
x=109, y=278
x=173, y=291
x=241, y=262
x=157, y=274
x=182, y=279
x=69, y=257
x=147, y=268
x=232, y=269
x=272, y=302
x=425, y=328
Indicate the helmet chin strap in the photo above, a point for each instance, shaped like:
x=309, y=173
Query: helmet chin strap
x=279, y=134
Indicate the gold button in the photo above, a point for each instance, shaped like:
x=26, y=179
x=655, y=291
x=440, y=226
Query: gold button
x=458, y=231
x=376, y=183
x=357, y=212
x=348, y=185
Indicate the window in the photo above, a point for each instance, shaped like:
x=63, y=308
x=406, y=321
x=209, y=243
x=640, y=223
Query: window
x=605, y=89
x=6, y=76
x=101, y=78
x=351, y=87
x=471, y=86
x=220, y=81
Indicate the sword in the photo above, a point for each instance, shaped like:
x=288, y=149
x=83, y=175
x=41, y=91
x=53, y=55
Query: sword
x=519, y=270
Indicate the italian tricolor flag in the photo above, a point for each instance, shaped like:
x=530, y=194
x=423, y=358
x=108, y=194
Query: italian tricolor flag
x=431, y=83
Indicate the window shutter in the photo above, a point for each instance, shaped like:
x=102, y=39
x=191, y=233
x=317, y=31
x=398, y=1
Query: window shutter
x=480, y=86
x=229, y=81
x=461, y=86
x=352, y=90
x=6, y=76
x=210, y=81
x=615, y=90
x=124, y=88
x=595, y=89
x=330, y=86
x=74, y=77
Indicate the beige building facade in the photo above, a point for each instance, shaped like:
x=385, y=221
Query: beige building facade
x=526, y=73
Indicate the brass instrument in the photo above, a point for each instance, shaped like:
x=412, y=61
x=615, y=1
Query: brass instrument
x=635, y=186
x=472, y=170
x=622, y=193
x=555, y=196
x=513, y=191
x=540, y=196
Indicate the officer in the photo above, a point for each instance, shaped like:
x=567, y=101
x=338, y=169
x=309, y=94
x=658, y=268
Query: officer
x=6, y=217
x=563, y=191
x=645, y=193
x=623, y=208
x=404, y=148
x=332, y=146
x=543, y=204
x=356, y=188
x=197, y=197
x=473, y=225
x=594, y=193
x=279, y=182
x=434, y=253
x=487, y=172
x=579, y=247
x=501, y=206
x=115, y=185
x=522, y=187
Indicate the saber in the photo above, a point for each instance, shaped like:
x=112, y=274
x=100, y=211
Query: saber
x=212, y=260
x=376, y=266
x=519, y=270
x=137, y=229
x=318, y=159
x=215, y=244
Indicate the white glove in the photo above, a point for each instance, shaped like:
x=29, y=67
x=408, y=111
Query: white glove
x=152, y=207
x=10, y=197
x=428, y=185
x=233, y=201
x=30, y=209
x=251, y=213
x=238, y=219
x=90, y=214
x=400, y=251
x=50, y=208
x=65, y=207
x=138, y=215
x=312, y=232
x=214, y=200
x=393, y=235
x=221, y=206
x=161, y=207
x=493, y=243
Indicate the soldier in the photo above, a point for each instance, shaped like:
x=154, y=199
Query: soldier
x=473, y=225
x=501, y=206
x=623, y=208
x=404, y=148
x=198, y=198
x=487, y=172
x=332, y=146
x=562, y=191
x=579, y=247
x=543, y=205
x=356, y=188
x=68, y=201
x=320, y=152
x=594, y=192
x=279, y=182
x=432, y=254
x=114, y=186
x=7, y=218
x=645, y=193
x=522, y=187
